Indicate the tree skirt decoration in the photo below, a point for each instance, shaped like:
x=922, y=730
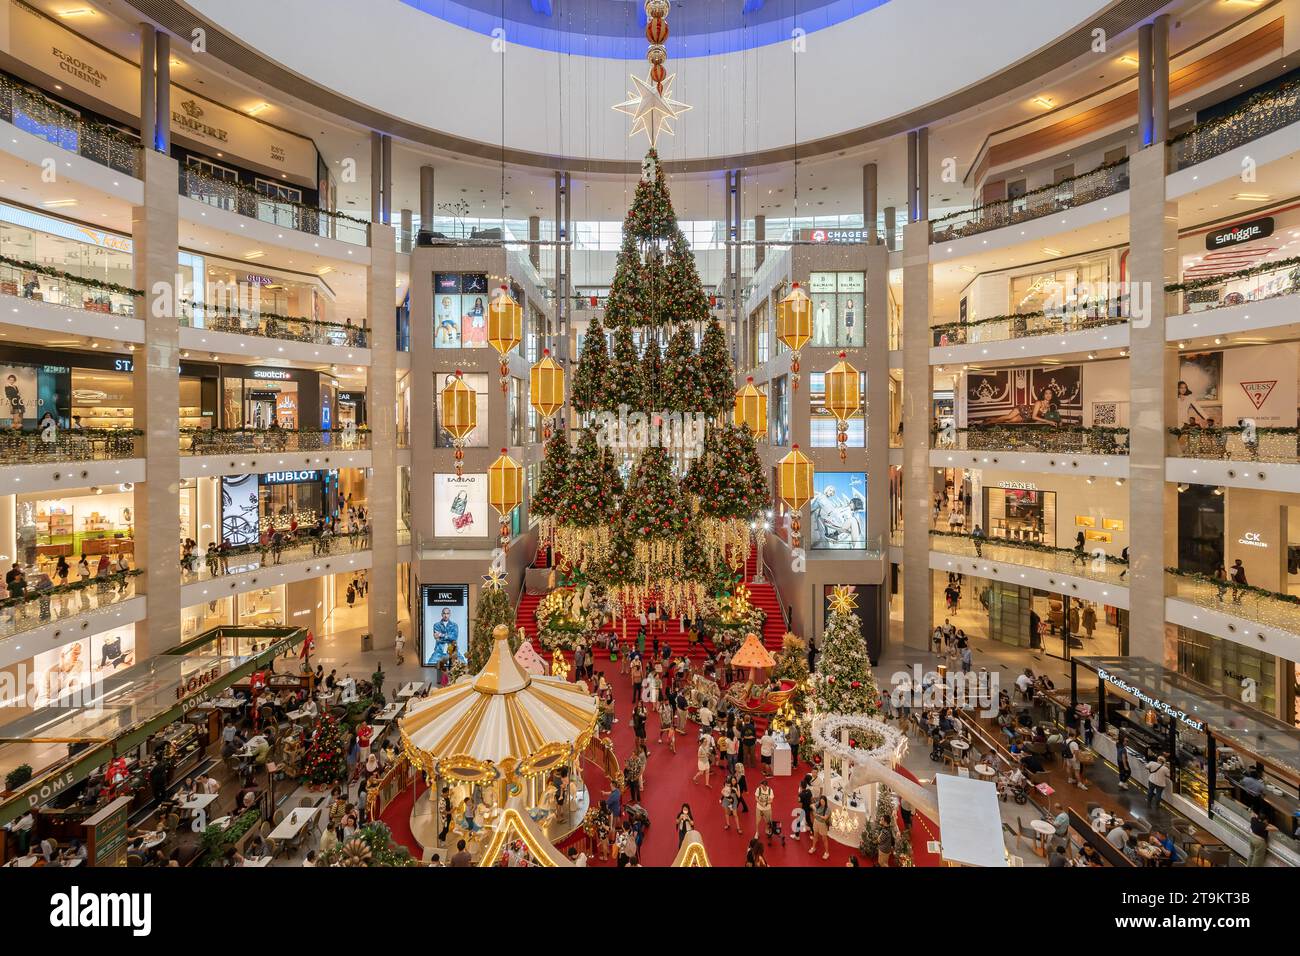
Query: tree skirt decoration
x=565, y=620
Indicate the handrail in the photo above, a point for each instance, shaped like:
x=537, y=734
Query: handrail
x=98, y=142
x=1260, y=605
x=1270, y=444
x=27, y=280
x=1265, y=112
x=38, y=607
x=1105, y=180
x=220, y=441
x=300, y=217
x=1076, y=439
x=1001, y=328
x=274, y=326
x=1105, y=569
x=29, y=445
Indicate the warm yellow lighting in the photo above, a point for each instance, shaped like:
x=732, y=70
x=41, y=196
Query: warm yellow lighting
x=258, y=109
x=1052, y=252
x=546, y=386
x=255, y=254
x=1129, y=59
x=77, y=12
x=1252, y=197
x=750, y=408
x=59, y=203
x=1043, y=101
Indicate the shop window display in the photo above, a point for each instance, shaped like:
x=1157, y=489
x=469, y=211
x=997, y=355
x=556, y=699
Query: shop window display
x=460, y=307
x=837, y=308
x=1079, y=286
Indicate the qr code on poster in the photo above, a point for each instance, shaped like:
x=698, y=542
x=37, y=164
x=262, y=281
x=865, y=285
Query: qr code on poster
x=1105, y=414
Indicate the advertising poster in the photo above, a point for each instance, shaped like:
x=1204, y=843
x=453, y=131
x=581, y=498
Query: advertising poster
x=1260, y=384
x=21, y=401
x=460, y=506
x=839, y=511
x=1200, y=395
x=59, y=672
x=446, y=321
x=1025, y=396
x=473, y=321
x=239, y=511
x=112, y=651
x=479, y=382
x=445, y=623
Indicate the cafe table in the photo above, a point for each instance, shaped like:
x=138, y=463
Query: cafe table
x=984, y=771
x=1044, y=830
x=257, y=861
x=411, y=689
x=24, y=861
x=391, y=712
x=196, y=804
x=291, y=826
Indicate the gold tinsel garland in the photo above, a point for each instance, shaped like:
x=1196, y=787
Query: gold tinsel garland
x=726, y=539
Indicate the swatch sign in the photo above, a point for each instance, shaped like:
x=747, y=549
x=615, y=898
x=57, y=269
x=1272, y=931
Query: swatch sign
x=1242, y=232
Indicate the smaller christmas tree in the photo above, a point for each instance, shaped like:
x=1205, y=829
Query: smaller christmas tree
x=589, y=381
x=623, y=305
x=623, y=380
x=553, y=479
x=326, y=760
x=594, y=485
x=885, y=821
x=493, y=608
x=716, y=376
x=653, y=508
x=733, y=485
x=844, y=683
x=683, y=295
x=651, y=215
x=678, y=380
x=650, y=380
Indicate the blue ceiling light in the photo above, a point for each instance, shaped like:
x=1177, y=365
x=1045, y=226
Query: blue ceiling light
x=615, y=29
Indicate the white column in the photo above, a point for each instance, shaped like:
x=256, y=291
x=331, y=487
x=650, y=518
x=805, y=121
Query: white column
x=918, y=397
x=382, y=418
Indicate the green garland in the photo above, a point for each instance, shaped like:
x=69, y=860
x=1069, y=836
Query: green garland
x=26, y=266
x=255, y=195
x=1023, y=545
x=116, y=577
x=191, y=430
x=1195, y=431
x=1207, y=281
x=1282, y=92
x=213, y=312
x=1106, y=319
x=1059, y=430
x=74, y=119
x=1227, y=584
x=1041, y=190
x=82, y=433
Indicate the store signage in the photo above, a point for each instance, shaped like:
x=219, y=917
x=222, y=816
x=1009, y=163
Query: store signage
x=48, y=789
x=276, y=374
x=192, y=121
x=1018, y=485
x=347, y=397
x=1258, y=392
x=290, y=477
x=1253, y=539
x=254, y=279
x=1236, y=235
x=123, y=365
x=833, y=235
x=1154, y=702
x=197, y=682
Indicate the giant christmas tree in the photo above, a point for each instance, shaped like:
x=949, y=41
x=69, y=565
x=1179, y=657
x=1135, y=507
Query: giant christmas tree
x=659, y=538
x=843, y=682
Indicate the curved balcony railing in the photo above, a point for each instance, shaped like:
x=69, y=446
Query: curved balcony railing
x=1063, y=439
x=241, y=441
x=39, y=607
x=299, y=217
x=1270, y=608
x=1269, y=280
x=1105, y=569
x=1004, y=328
x=40, y=283
x=1281, y=445
x=31, y=446
x=305, y=546
x=1078, y=190
x=1262, y=114
x=32, y=111
x=270, y=325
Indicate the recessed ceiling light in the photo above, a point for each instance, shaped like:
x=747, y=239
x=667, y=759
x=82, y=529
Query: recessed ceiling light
x=77, y=12
x=258, y=109
x=1042, y=101
x=58, y=203
x=1252, y=197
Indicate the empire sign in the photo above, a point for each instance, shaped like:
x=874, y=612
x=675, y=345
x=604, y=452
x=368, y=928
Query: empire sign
x=192, y=121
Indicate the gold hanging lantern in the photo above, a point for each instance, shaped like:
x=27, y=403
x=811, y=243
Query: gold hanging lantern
x=750, y=409
x=505, y=329
x=794, y=326
x=459, y=414
x=546, y=389
x=843, y=399
x=505, y=491
x=794, y=484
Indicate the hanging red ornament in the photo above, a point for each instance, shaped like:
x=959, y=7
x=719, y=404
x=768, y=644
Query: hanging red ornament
x=658, y=74
x=656, y=30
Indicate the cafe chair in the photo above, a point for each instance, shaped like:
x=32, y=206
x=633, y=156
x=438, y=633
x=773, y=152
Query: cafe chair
x=278, y=817
x=1023, y=832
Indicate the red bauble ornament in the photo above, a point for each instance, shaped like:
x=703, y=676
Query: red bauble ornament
x=656, y=30
x=856, y=684
x=658, y=74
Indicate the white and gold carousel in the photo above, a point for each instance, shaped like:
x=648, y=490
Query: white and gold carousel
x=494, y=740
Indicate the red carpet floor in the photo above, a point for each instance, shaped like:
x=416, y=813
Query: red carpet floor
x=668, y=777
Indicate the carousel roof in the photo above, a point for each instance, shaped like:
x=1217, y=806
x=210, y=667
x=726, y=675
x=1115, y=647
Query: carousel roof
x=503, y=716
x=752, y=654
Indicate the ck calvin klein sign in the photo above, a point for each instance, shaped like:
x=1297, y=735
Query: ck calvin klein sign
x=1242, y=232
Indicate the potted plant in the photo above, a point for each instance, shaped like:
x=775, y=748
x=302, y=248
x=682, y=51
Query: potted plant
x=18, y=776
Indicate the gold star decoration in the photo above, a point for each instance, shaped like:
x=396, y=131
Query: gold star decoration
x=651, y=111
x=843, y=600
x=494, y=580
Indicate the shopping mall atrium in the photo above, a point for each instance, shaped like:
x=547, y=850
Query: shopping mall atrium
x=650, y=433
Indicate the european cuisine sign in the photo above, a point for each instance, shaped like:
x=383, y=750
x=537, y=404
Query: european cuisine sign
x=113, y=81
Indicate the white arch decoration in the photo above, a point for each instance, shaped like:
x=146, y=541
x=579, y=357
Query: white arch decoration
x=875, y=765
